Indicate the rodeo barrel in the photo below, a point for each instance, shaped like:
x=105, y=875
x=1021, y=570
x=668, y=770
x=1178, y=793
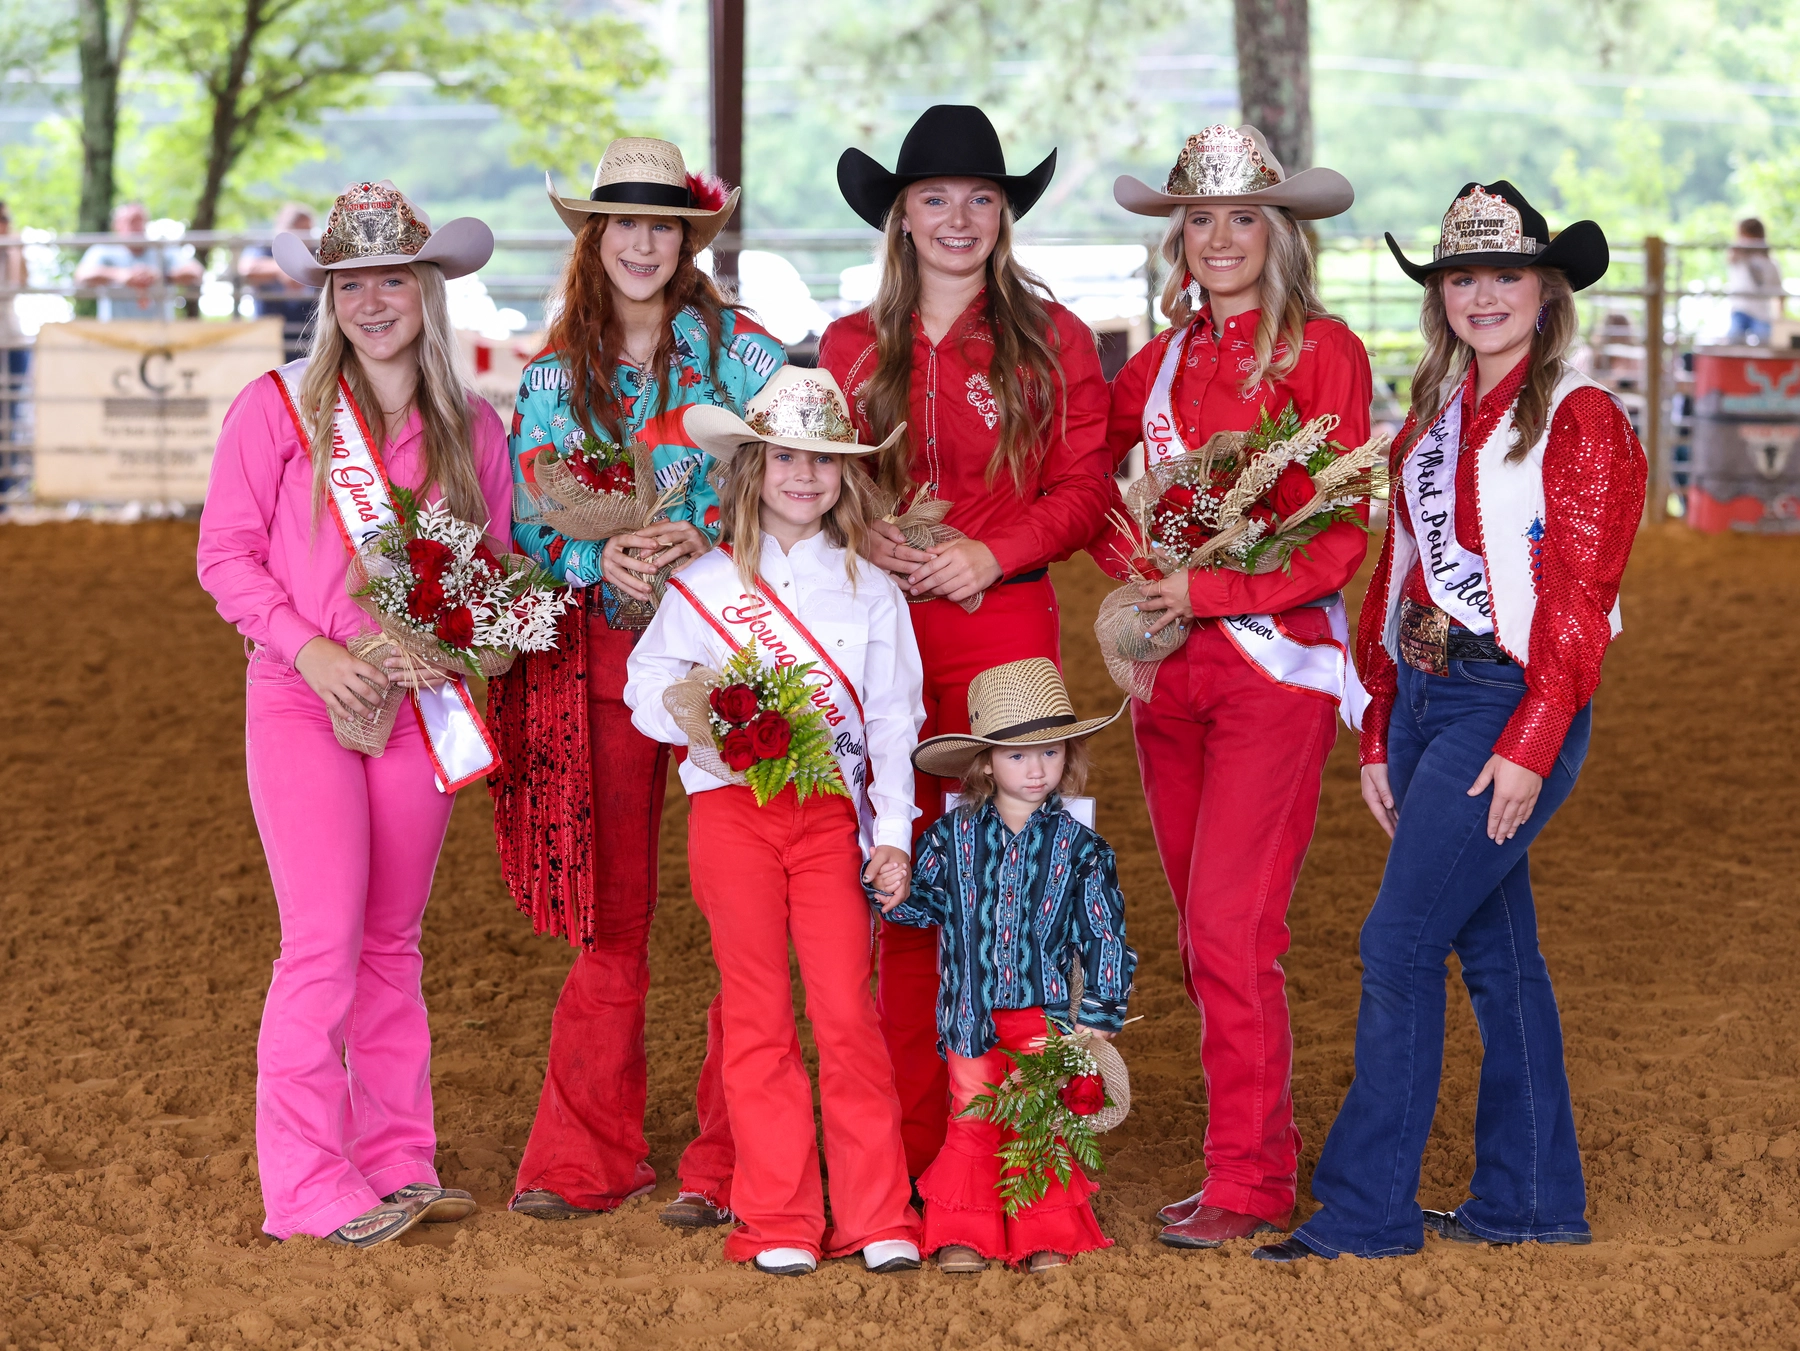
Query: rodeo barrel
x=1746, y=469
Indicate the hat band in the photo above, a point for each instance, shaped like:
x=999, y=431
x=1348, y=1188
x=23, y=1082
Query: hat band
x=1035, y=725
x=1525, y=246
x=643, y=194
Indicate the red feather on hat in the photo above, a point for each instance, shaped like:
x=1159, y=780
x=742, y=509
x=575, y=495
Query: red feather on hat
x=709, y=191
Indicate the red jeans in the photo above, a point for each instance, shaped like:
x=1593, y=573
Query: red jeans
x=587, y=1144
x=763, y=876
x=961, y=1188
x=1231, y=764
x=1014, y=622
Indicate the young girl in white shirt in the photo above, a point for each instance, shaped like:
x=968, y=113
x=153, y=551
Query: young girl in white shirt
x=792, y=582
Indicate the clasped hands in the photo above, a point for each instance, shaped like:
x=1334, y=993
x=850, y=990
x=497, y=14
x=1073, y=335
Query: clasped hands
x=953, y=572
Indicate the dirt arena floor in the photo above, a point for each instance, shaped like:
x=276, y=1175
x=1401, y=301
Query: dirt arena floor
x=138, y=927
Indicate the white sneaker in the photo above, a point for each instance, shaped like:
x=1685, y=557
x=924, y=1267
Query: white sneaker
x=789, y=1261
x=891, y=1254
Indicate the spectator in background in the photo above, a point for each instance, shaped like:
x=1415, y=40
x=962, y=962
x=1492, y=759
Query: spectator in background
x=277, y=294
x=136, y=281
x=15, y=355
x=1752, y=284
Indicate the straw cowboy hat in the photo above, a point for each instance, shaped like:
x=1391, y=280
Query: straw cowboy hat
x=800, y=408
x=1227, y=164
x=642, y=176
x=1492, y=225
x=1023, y=703
x=950, y=140
x=373, y=225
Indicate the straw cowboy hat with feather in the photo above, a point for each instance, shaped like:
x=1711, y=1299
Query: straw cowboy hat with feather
x=374, y=225
x=1022, y=703
x=642, y=176
x=1235, y=164
x=800, y=408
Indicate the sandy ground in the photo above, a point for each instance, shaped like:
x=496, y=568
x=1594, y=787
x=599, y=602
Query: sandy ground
x=138, y=926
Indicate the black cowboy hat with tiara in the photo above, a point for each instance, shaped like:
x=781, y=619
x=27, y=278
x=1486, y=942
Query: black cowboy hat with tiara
x=950, y=140
x=1492, y=225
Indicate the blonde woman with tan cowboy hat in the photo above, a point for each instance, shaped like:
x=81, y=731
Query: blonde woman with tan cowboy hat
x=1232, y=741
x=639, y=335
x=344, y=1135
x=1005, y=406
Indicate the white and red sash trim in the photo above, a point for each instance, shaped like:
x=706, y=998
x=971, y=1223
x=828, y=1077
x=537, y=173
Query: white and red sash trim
x=461, y=748
x=758, y=618
x=1321, y=668
x=1456, y=578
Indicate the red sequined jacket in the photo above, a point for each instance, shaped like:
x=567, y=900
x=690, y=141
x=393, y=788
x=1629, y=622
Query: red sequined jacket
x=1594, y=483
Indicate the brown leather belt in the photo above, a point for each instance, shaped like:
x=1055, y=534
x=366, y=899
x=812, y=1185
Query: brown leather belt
x=1429, y=642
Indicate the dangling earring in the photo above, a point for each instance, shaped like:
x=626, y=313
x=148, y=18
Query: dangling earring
x=906, y=238
x=1191, y=291
x=1542, y=311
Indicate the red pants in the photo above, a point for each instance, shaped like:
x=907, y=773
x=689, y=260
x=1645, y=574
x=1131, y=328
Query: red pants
x=1014, y=622
x=587, y=1144
x=962, y=1200
x=1231, y=763
x=763, y=876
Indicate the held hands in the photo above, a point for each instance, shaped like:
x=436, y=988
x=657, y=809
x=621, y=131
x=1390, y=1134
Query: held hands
x=1515, y=794
x=890, y=873
x=957, y=571
x=1167, y=600
x=348, y=686
x=663, y=543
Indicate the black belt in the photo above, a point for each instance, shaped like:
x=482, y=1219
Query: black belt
x=1035, y=575
x=1429, y=641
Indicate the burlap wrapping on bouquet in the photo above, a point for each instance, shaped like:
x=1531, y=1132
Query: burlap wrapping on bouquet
x=369, y=732
x=1107, y=1061
x=1131, y=653
x=567, y=505
x=689, y=702
x=922, y=525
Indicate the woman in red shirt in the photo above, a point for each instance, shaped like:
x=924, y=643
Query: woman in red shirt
x=1004, y=403
x=1231, y=756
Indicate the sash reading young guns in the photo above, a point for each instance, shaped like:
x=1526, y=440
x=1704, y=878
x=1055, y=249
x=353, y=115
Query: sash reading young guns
x=1322, y=668
x=362, y=502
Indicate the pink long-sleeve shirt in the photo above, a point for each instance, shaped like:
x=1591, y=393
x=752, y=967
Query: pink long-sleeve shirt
x=273, y=571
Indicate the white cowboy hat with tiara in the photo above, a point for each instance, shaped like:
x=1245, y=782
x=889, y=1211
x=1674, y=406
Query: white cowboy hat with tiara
x=642, y=176
x=800, y=408
x=374, y=225
x=1235, y=164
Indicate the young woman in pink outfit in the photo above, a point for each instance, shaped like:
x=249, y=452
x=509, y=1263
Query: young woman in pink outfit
x=344, y=1131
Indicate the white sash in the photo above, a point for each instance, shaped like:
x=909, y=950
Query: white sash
x=456, y=739
x=1321, y=668
x=1456, y=578
x=758, y=617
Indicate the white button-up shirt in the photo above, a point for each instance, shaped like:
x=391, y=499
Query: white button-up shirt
x=863, y=628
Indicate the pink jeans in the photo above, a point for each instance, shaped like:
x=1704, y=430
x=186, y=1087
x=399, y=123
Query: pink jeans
x=343, y=1083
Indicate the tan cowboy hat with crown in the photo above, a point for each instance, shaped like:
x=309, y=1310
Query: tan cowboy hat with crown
x=1235, y=164
x=642, y=176
x=801, y=408
x=374, y=225
x=1023, y=703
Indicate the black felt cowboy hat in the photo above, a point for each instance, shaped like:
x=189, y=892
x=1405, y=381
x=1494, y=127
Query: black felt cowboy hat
x=1492, y=225
x=950, y=140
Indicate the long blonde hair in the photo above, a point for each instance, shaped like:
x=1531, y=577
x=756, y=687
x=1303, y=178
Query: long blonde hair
x=1025, y=375
x=442, y=395
x=1287, y=292
x=1447, y=359
x=740, y=506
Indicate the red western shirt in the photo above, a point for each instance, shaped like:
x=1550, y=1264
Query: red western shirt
x=953, y=426
x=1332, y=376
x=1594, y=475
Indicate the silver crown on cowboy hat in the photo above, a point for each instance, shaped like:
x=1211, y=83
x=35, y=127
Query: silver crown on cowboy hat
x=374, y=225
x=800, y=408
x=1020, y=703
x=642, y=176
x=1235, y=164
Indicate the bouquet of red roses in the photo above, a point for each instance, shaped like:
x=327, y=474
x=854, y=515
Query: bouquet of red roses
x=1245, y=501
x=756, y=726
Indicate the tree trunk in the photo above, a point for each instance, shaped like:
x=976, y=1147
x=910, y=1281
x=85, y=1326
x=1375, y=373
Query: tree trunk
x=99, y=116
x=1274, y=53
x=226, y=140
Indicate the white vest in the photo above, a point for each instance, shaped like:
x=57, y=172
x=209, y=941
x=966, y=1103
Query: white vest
x=1509, y=502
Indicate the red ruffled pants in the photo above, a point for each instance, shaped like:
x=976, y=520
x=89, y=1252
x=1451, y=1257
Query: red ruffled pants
x=961, y=1188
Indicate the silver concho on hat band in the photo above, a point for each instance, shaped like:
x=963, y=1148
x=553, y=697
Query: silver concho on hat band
x=1482, y=222
x=803, y=412
x=1219, y=162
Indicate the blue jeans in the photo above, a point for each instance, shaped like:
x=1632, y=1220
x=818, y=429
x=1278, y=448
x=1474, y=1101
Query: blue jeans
x=1747, y=326
x=1449, y=888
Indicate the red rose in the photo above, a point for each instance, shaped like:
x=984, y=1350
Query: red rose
x=456, y=628
x=734, y=703
x=735, y=750
x=1179, y=497
x=1084, y=1094
x=485, y=555
x=428, y=558
x=617, y=478
x=425, y=599
x=770, y=734
x=1292, y=491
